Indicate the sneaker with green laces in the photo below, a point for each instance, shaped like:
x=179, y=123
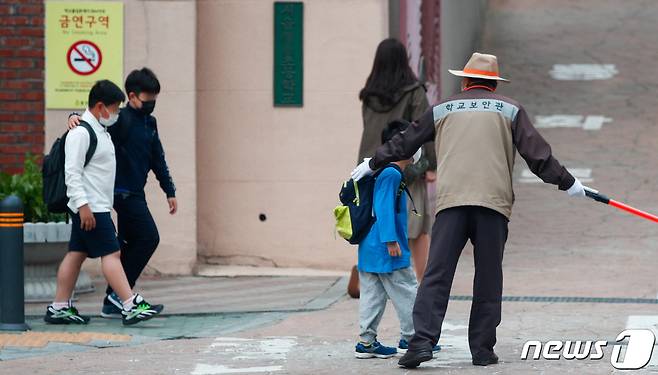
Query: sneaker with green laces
x=140, y=311
x=66, y=315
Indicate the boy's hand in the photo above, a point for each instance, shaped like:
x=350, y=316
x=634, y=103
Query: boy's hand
x=87, y=219
x=74, y=121
x=430, y=176
x=394, y=249
x=173, y=205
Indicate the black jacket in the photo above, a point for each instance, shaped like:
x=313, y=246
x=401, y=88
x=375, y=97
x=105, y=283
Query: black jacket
x=138, y=151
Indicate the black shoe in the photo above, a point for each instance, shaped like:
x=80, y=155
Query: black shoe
x=411, y=359
x=67, y=315
x=112, y=307
x=486, y=361
x=141, y=311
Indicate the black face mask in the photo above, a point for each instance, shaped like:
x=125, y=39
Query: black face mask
x=148, y=106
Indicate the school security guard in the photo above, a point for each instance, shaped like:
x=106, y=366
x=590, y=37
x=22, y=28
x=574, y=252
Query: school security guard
x=476, y=133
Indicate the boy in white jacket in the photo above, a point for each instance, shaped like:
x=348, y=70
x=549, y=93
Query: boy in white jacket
x=90, y=188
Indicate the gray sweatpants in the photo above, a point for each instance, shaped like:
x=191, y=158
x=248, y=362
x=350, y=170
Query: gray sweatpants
x=400, y=286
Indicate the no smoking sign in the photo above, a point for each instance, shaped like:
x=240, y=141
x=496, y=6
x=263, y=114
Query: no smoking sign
x=84, y=57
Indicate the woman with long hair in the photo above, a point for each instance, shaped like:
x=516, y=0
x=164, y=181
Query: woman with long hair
x=392, y=91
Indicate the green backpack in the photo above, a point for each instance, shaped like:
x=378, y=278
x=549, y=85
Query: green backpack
x=355, y=216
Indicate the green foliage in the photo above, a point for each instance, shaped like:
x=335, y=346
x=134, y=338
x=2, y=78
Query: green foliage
x=28, y=186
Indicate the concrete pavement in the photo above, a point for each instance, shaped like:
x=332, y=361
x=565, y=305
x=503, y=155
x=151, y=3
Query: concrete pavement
x=194, y=307
x=212, y=295
x=574, y=269
x=322, y=343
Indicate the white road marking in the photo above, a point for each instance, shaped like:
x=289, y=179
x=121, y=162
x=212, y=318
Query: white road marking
x=583, y=72
x=219, y=369
x=454, y=346
x=583, y=174
x=595, y=122
x=454, y=350
x=452, y=327
x=273, y=349
x=571, y=121
x=267, y=353
x=218, y=344
x=559, y=121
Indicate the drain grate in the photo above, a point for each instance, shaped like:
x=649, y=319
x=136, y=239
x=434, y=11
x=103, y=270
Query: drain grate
x=650, y=301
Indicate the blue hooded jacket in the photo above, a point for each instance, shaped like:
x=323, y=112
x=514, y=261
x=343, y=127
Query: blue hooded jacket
x=391, y=225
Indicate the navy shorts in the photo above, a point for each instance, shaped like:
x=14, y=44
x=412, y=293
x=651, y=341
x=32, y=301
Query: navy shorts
x=98, y=242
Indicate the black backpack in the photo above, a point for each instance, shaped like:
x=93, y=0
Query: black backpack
x=355, y=216
x=54, y=185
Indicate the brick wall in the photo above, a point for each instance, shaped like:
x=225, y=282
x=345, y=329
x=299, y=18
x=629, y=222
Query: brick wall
x=21, y=81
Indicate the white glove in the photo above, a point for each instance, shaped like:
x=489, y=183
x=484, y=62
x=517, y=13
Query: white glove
x=362, y=170
x=577, y=189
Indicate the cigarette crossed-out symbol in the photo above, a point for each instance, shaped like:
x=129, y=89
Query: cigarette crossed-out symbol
x=84, y=57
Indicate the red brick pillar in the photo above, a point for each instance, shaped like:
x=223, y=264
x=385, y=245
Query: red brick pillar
x=21, y=81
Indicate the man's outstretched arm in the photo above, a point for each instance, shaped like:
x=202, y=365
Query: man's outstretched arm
x=402, y=146
x=539, y=156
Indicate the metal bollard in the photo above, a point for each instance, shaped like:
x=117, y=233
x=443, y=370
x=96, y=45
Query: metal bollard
x=12, y=308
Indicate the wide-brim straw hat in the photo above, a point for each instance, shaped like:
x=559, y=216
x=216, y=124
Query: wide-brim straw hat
x=480, y=65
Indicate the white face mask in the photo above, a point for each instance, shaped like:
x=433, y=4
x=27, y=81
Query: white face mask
x=417, y=155
x=109, y=121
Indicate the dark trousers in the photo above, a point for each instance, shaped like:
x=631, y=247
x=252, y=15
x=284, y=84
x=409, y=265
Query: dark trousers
x=138, y=235
x=487, y=230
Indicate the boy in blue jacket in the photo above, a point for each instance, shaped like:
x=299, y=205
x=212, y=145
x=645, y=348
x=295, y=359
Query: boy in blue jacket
x=384, y=260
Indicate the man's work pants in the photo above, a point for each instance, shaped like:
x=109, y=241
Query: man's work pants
x=487, y=230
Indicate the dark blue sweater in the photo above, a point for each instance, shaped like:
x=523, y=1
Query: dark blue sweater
x=138, y=151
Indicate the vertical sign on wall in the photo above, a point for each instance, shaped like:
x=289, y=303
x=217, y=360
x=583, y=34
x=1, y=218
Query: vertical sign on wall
x=84, y=43
x=288, y=54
